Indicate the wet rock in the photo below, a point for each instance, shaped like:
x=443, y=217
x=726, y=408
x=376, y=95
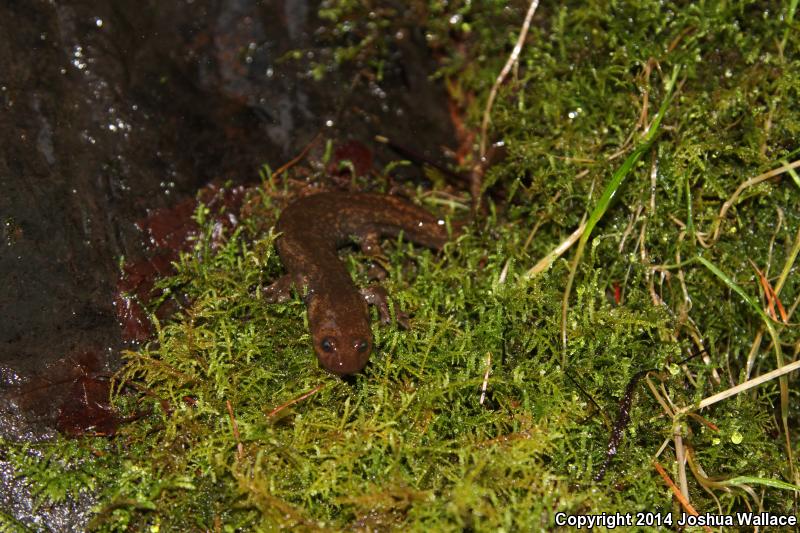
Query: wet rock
x=112, y=117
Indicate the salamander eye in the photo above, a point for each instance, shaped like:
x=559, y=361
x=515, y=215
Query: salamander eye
x=362, y=346
x=327, y=344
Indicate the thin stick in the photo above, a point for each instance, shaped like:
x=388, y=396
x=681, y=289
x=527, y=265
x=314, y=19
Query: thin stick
x=629, y=228
x=687, y=300
x=512, y=59
x=775, y=233
x=663, y=447
x=770, y=296
x=298, y=158
x=658, y=397
x=504, y=273
x=746, y=184
x=486, y=377
x=708, y=423
x=676, y=491
x=751, y=357
x=296, y=400
x=559, y=250
x=681, y=459
x=239, y=447
x=778, y=372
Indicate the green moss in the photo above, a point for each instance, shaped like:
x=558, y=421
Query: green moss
x=408, y=444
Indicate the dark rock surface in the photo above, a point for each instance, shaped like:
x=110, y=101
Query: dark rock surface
x=112, y=110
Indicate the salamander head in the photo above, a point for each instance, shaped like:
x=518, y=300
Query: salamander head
x=342, y=341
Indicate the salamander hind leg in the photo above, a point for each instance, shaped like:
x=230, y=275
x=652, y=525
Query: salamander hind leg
x=377, y=296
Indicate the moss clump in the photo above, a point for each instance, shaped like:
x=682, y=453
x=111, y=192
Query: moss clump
x=409, y=444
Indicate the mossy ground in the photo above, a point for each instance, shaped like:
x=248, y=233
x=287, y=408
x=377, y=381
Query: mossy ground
x=407, y=444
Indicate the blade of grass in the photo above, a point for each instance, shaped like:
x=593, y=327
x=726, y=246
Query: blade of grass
x=787, y=267
x=774, y=483
x=789, y=20
x=776, y=344
x=605, y=200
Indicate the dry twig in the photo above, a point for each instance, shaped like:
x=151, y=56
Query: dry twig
x=296, y=400
x=512, y=59
x=676, y=491
x=486, y=377
x=239, y=447
x=778, y=372
x=744, y=185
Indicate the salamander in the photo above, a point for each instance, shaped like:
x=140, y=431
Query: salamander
x=311, y=230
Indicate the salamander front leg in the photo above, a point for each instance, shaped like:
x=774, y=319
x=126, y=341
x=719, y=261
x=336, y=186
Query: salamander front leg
x=280, y=290
x=370, y=245
x=377, y=296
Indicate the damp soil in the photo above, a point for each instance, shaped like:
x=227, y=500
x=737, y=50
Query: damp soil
x=114, y=118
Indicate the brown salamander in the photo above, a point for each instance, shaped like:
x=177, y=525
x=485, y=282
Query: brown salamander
x=312, y=229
